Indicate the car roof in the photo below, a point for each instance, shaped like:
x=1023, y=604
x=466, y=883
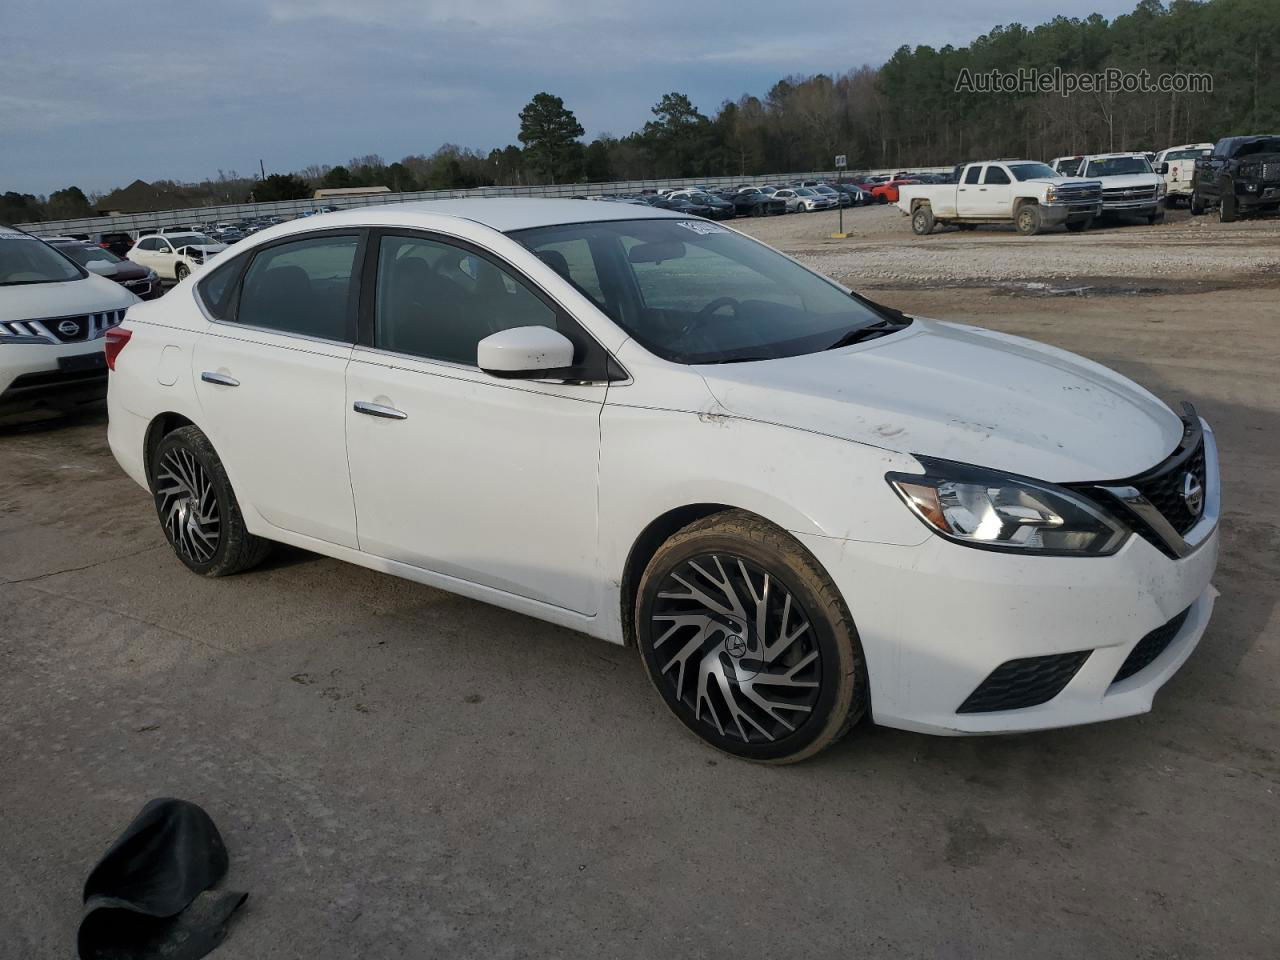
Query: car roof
x=504, y=213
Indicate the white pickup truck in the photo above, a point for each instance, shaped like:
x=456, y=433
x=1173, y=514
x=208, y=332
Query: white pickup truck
x=1026, y=193
x=1180, y=169
x=1130, y=186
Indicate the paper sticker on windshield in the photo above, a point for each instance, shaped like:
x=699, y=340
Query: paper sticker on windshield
x=701, y=227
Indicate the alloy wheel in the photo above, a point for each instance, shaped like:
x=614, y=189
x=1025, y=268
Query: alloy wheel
x=188, y=505
x=736, y=650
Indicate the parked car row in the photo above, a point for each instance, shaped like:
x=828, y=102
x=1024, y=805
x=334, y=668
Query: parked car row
x=750, y=200
x=1236, y=175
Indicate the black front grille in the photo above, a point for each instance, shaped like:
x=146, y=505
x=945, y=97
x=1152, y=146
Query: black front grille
x=1150, y=647
x=1271, y=171
x=1024, y=683
x=1165, y=489
x=1129, y=193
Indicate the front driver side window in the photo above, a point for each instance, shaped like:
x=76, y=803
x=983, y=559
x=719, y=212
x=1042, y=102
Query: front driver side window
x=438, y=301
x=996, y=175
x=971, y=175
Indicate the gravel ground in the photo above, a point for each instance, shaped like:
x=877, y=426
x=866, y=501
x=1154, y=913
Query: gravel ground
x=1183, y=252
x=399, y=772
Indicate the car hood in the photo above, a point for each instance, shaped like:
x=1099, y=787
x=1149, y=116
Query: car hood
x=1128, y=180
x=35, y=301
x=962, y=393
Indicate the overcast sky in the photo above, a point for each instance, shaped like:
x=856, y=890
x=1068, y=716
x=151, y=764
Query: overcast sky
x=96, y=94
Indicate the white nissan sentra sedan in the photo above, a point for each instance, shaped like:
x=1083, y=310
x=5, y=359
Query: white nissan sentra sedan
x=801, y=507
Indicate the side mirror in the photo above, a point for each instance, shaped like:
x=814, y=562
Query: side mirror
x=528, y=353
x=1162, y=169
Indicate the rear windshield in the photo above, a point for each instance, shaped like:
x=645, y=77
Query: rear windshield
x=25, y=260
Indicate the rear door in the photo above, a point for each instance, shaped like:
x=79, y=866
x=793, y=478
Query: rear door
x=270, y=375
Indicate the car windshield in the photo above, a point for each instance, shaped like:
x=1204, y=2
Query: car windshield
x=1031, y=171
x=1268, y=145
x=804, y=192
x=694, y=292
x=84, y=254
x=24, y=259
x=1117, y=166
x=187, y=239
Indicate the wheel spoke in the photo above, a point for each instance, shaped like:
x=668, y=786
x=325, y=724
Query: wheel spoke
x=743, y=640
x=187, y=502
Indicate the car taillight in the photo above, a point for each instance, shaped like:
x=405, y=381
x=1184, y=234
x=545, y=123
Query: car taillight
x=116, y=340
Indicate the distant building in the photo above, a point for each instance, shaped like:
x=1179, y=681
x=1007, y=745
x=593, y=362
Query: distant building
x=338, y=192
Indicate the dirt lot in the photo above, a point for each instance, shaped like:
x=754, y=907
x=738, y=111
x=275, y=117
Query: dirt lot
x=403, y=773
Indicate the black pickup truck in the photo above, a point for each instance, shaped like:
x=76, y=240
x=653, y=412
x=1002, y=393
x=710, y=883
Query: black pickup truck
x=1241, y=175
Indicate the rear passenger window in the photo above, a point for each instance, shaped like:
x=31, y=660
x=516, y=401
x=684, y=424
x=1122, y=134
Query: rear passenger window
x=303, y=287
x=438, y=301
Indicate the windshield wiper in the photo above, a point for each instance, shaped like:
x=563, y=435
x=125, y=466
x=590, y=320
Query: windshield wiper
x=869, y=332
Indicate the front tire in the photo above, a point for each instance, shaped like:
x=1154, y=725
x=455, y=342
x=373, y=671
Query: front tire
x=748, y=641
x=198, y=509
x=1028, y=220
x=1227, y=210
x=922, y=221
x=1196, y=204
x=180, y=272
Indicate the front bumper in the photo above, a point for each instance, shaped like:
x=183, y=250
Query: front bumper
x=938, y=619
x=1054, y=214
x=1132, y=208
x=39, y=376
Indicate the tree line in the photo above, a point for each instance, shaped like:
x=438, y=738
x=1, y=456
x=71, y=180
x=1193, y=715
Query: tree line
x=906, y=112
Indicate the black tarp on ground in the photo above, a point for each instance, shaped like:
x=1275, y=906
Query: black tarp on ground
x=148, y=896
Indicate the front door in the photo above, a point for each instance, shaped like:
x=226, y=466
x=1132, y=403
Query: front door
x=486, y=480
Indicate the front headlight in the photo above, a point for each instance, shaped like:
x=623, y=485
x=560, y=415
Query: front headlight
x=1161, y=187
x=988, y=509
x=1051, y=194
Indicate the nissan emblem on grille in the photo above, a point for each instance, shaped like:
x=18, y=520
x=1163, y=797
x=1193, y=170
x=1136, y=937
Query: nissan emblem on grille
x=1193, y=493
x=68, y=328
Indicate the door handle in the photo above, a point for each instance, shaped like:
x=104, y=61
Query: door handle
x=221, y=379
x=379, y=410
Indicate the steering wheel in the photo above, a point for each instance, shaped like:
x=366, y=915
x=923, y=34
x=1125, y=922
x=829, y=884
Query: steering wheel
x=703, y=315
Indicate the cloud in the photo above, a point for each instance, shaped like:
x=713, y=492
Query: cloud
x=103, y=96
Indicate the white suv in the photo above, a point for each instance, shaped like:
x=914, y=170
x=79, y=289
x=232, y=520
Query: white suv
x=801, y=507
x=175, y=256
x=53, y=313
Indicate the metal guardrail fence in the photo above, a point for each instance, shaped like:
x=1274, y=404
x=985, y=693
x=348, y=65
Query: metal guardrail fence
x=192, y=216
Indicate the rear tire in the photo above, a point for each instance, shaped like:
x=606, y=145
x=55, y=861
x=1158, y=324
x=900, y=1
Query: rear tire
x=198, y=509
x=774, y=697
x=1028, y=219
x=922, y=220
